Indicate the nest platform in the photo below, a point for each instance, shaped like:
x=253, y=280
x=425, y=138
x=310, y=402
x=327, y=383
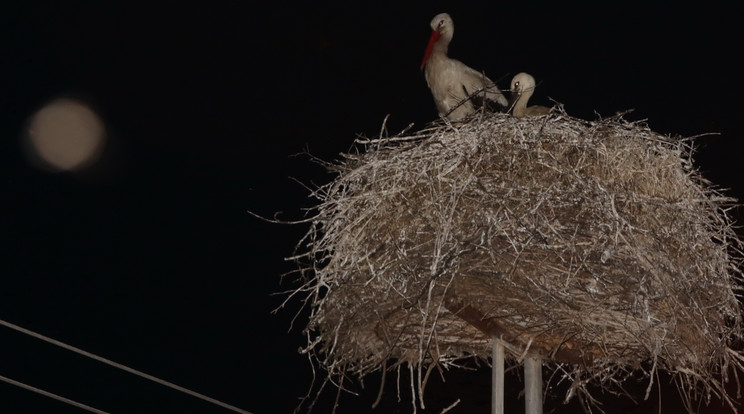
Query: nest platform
x=596, y=245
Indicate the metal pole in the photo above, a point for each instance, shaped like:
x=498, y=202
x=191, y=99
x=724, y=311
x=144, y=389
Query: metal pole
x=533, y=385
x=497, y=378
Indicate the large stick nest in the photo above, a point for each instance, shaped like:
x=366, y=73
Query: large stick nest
x=594, y=244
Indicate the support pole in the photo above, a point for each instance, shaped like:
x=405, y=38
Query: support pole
x=533, y=385
x=497, y=378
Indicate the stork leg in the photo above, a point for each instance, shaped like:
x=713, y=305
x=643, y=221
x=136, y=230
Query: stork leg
x=533, y=385
x=497, y=378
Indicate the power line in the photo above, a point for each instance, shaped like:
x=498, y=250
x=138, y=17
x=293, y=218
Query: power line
x=122, y=367
x=51, y=395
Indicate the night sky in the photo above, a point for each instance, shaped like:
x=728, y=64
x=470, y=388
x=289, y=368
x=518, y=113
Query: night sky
x=149, y=257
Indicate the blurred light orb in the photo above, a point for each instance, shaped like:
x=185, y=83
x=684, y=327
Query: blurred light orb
x=66, y=134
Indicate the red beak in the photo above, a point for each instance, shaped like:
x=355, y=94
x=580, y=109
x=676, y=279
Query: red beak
x=435, y=35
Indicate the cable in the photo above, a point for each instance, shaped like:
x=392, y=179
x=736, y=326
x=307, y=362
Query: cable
x=122, y=367
x=50, y=395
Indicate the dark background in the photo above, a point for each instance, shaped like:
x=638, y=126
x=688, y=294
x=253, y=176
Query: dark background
x=149, y=257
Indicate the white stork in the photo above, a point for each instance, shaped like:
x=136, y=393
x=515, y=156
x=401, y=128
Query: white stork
x=523, y=85
x=456, y=87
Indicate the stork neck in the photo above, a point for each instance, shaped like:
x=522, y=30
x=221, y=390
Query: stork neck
x=522, y=99
x=442, y=45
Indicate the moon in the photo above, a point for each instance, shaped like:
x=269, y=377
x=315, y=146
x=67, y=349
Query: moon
x=66, y=134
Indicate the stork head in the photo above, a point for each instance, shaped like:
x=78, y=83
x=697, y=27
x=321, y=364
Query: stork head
x=442, y=27
x=443, y=24
x=523, y=83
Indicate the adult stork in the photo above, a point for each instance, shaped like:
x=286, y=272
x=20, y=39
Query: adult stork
x=456, y=87
x=523, y=85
